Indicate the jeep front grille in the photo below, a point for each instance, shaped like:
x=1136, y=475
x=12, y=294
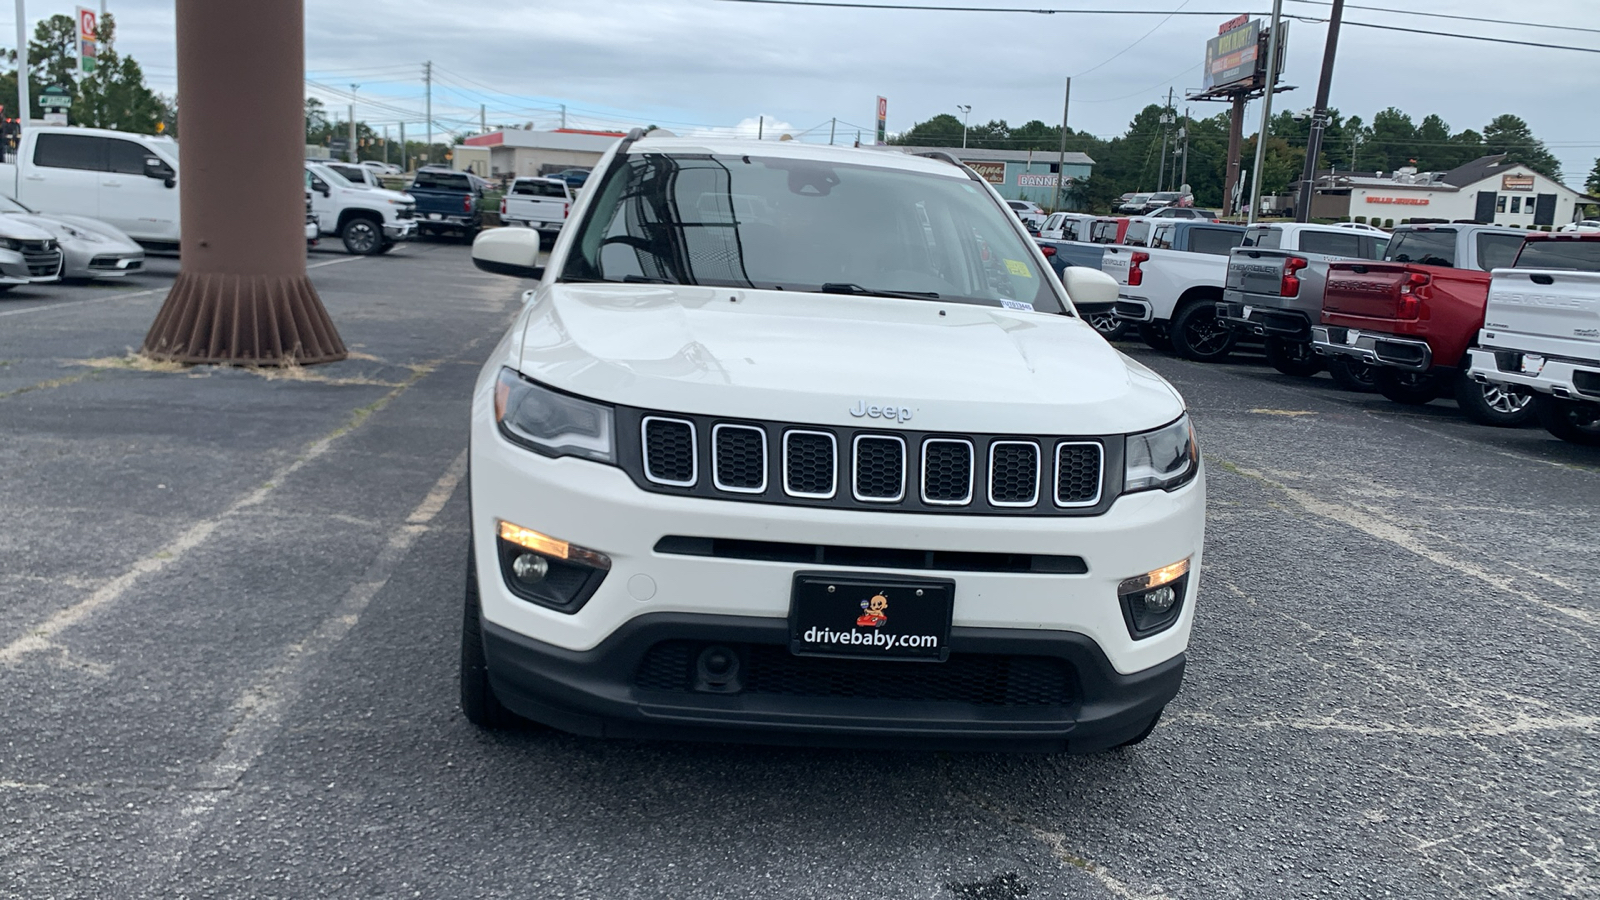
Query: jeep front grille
x=863, y=468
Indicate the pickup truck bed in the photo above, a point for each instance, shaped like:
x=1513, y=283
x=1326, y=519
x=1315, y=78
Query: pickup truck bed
x=448, y=201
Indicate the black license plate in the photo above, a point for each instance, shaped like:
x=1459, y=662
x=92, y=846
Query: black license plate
x=860, y=615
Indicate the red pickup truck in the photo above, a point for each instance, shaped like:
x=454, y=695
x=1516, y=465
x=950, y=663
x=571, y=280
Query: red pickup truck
x=1414, y=314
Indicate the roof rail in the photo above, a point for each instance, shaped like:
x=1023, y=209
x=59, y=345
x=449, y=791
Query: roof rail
x=946, y=157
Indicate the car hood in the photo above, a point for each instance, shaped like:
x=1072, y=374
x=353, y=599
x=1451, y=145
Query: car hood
x=812, y=358
x=18, y=228
x=110, y=237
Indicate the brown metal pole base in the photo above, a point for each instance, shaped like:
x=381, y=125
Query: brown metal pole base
x=243, y=320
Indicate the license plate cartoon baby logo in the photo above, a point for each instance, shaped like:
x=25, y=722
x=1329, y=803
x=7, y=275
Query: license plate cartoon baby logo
x=872, y=612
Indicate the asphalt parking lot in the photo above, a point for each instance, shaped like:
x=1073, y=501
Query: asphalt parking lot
x=230, y=612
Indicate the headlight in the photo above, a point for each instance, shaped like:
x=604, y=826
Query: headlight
x=551, y=423
x=1167, y=458
x=9, y=244
x=81, y=235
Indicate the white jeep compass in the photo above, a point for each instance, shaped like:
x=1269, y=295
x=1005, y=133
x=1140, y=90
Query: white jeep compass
x=807, y=444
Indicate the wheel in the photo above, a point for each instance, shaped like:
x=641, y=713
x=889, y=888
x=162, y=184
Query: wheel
x=1156, y=336
x=478, y=701
x=1570, y=420
x=1293, y=357
x=361, y=236
x=1352, y=375
x=1139, y=738
x=1497, y=405
x=1110, y=327
x=1199, y=335
x=1410, y=388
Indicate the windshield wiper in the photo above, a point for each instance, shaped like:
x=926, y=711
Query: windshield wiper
x=626, y=279
x=845, y=287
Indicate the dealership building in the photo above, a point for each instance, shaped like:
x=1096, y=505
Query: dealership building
x=520, y=151
x=1487, y=190
x=1020, y=174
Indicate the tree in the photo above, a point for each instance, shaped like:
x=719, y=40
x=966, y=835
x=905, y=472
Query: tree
x=114, y=95
x=1593, y=184
x=1510, y=135
x=317, y=127
x=943, y=130
x=1391, y=142
x=53, y=53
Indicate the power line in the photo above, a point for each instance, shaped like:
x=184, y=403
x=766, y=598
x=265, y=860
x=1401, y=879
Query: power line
x=1135, y=43
x=1439, y=15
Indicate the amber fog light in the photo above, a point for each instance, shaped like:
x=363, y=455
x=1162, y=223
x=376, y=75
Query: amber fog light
x=546, y=570
x=1152, y=602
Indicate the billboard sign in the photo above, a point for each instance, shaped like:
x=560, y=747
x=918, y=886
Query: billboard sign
x=883, y=121
x=1231, y=56
x=1516, y=182
x=1040, y=179
x=991, y=171
x=88, y=36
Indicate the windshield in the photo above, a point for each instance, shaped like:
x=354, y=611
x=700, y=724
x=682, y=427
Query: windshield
x=329, y=175
x=1425, y=248
x=806, y=225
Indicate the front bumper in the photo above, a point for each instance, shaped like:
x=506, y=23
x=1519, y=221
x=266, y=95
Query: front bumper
x=638, y=684
x=1134, y=309
x=401, y=230
x=1077, y=618
x=1248, y=318
x=1373, y=347
x=442, y=221
x=1570, y=379
x=15, y=268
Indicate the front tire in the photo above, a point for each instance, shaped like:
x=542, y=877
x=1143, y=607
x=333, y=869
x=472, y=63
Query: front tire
x=478, y=701
x=1409, y=388
x=1495, y=405
x=361, y=236
x=1352, y=375
x=1198, y=335
x=1570, y=420
x=1293, y=357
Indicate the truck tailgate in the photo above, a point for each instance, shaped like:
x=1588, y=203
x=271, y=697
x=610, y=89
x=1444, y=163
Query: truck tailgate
x=1552, y=303
x=1256, y=271
x=1374, y=290
x=1116, y=263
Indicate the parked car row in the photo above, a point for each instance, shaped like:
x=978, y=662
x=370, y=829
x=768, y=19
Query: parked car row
x=1503, y=321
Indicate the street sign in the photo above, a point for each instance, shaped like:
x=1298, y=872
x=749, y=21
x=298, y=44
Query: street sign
x=88, y=39
x=55, y=98
x=338, y=146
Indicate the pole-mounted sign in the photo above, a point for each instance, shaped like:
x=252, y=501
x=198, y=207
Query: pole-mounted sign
x=88, y=39
x=883, y=121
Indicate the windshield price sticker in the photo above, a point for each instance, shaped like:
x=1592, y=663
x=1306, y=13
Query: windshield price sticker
x=1018, y=268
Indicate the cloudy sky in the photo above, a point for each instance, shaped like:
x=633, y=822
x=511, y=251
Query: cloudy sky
x=695, y=64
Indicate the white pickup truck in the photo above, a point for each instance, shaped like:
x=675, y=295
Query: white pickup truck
x=1171, y=275
x=538, y=203
x=369, y=220
x=126, y=180
x=1541, y=330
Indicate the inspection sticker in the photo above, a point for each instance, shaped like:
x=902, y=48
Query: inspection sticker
x=1019, y=268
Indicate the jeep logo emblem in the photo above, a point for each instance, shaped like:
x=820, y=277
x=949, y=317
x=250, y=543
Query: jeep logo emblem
x=887, y=411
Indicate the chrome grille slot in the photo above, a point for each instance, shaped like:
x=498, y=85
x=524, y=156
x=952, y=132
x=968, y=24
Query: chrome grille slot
x=880, y=468
x=810, y=464
x=947, y=465
x=670, y=452
x=739, y=458
x=1013, y=473
x=1078, y=473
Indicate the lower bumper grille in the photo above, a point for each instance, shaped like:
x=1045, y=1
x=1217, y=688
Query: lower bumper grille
x=42, y=263
x=992, y=681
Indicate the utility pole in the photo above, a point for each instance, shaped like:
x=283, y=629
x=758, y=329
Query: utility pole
x=834, y=126
x=1185, y=148
x=563, y=115
x=352, y=154
x=1061, y=155
x=1230, y=181
x=1319, y=117
x=1266, y=109
x=1167, y=118
x=385, y=143
x=24, y=102
x=761, y=127
x=483, y=119
x=427, y=81
x=965, y=111
x=405, y=151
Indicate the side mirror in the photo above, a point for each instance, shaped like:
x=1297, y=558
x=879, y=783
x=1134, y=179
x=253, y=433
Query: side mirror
x=1089, y=287
x=321, y=187
x=157, y=168
x=508, y=251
